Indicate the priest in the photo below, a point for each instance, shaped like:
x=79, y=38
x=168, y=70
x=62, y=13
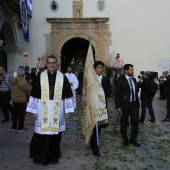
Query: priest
x=73, y=84
x=50, y=103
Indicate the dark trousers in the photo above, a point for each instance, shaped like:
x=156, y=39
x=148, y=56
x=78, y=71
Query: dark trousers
x=93, y=140
x=147, y=104
x=80, y=88
x=168, y=107
x=132, y=111
x=19, y=111
x=162, y=94
x=5, y=98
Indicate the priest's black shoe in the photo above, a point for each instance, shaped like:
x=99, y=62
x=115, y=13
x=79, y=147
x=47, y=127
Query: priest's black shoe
x=37, y=160
x=126, y=143
x=54, y=161
x=59, y=155
x=134, y=143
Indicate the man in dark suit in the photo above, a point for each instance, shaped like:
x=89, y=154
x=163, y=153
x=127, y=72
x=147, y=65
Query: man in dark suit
x=127, y=103
x=145, y=96
x=105, y=82
x=167, y=84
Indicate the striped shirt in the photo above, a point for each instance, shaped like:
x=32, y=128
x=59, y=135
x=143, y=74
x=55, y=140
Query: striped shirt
x=6, y=82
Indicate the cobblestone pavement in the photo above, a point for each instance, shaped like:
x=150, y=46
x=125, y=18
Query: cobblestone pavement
x=153, y=154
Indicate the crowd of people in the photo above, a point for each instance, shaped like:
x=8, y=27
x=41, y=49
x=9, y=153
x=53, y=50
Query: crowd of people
x=50, y=96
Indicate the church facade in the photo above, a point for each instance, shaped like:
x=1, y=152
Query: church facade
x=136, y=29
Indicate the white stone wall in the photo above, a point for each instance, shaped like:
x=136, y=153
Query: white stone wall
x=140, y=29
x=140, y=32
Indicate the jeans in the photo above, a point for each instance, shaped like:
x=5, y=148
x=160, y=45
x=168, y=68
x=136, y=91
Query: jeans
x=147, y=104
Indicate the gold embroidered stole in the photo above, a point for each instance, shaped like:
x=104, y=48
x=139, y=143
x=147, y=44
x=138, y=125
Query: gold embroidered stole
x=45, y=120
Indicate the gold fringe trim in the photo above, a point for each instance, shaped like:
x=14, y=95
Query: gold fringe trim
x=44, y=129
x=54, y=129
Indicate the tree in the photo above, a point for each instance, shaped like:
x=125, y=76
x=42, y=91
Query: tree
x=11, y=7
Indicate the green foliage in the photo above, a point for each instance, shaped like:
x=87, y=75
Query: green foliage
x=109, y=71
x=11, y=7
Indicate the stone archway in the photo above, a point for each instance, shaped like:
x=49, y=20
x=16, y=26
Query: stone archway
x=10, y=43
x=64, y=29
x=74, y=53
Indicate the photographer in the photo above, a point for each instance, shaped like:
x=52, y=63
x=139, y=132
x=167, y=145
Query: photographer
x=5, y=91
x=146, y=98
x=167, y=84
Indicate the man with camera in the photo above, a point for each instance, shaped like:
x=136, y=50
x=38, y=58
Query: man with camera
x=146, y=98
x=5, y=91
x=167, y=85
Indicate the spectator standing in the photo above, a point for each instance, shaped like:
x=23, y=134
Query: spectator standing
x=5, y=92
x=73, y=84
x=146, y=98
x=127, y=104
x=167, y=83
x=20, y=89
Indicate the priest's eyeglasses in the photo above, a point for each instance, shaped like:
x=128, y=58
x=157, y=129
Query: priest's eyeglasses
x=52, y=63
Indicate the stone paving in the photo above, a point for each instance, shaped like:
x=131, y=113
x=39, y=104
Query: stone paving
x=152, y=155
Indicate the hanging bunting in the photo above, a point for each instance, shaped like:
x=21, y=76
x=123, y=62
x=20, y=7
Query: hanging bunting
x=24, y=18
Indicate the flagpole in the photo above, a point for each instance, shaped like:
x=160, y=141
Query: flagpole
x=90, y=38
x=97, y=134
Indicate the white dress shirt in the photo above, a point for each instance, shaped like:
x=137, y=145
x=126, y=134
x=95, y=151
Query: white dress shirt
x=127, y=77
x=100, y=78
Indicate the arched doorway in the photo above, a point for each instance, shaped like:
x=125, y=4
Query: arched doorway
x=74, y=53
x=9, y=49
x=3, y=55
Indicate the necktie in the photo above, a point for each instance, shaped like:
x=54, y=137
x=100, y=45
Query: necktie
x=100, y=79
x=132, y=90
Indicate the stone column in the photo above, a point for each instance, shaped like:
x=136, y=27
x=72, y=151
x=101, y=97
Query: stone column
x=14, y=57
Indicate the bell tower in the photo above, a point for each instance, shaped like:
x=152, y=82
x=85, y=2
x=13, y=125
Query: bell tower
x=77, y=8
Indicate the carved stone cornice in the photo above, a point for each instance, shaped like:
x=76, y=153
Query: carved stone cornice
x=77, y=20
x=11, y=50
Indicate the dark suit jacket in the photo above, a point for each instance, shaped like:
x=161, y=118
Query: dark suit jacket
x=123, y=93
x=106, y=87
x=144, y=85
x=107, y=91
x=167, y=85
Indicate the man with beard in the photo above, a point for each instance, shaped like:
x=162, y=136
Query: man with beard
x=127, y=103
x=73, y=84
x=50, y=102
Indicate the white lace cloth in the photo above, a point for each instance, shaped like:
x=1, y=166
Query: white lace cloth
x=34, y=106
